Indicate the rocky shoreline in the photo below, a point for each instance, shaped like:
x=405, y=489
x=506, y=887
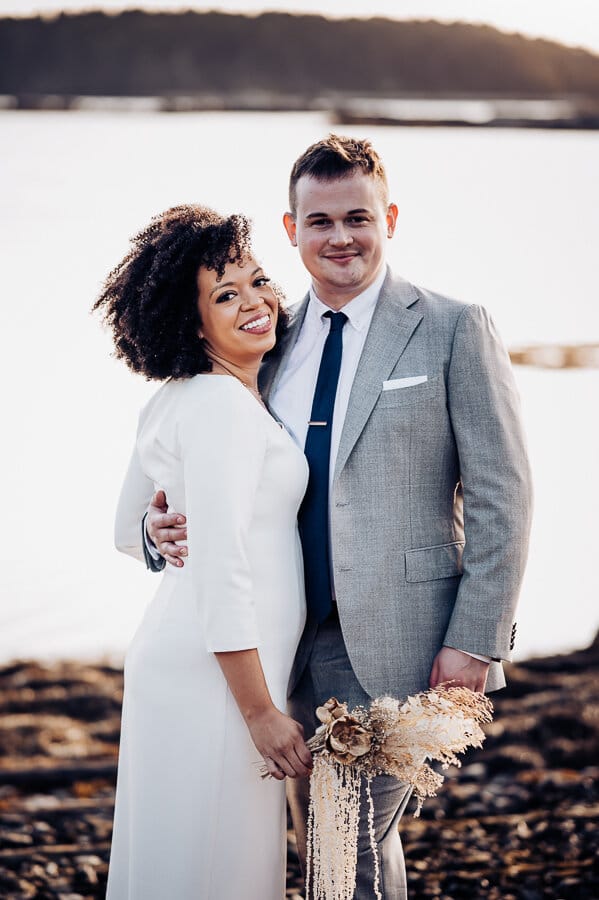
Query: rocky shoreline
x=519, y=820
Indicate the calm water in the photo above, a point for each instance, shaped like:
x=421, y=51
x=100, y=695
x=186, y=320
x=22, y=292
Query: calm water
x=509, y=219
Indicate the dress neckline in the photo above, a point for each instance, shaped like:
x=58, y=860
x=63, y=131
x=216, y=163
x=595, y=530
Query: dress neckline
x=260, y=405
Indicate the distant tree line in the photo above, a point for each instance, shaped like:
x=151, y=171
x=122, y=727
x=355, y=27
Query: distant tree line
x=137, y=53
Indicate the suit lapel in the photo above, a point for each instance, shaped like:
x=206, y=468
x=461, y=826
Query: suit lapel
x=271, y=372
x=392, y=326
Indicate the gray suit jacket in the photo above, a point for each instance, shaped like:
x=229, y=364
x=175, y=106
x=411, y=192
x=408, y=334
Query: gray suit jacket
x=431, y=500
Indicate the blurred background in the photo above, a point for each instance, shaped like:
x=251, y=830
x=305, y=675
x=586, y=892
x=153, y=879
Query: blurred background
x=487, y=117
x=487, y=122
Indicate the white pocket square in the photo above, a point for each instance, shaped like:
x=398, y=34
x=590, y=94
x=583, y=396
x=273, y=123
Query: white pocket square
x=410, y=381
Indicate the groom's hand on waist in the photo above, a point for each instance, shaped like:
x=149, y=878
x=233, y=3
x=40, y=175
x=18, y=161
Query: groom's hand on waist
x=460, y=668
x=164, y=528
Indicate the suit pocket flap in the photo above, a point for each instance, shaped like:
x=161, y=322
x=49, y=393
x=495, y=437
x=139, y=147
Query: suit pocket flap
x=429, y=563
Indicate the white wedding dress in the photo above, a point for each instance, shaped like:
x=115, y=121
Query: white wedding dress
x=193, y=819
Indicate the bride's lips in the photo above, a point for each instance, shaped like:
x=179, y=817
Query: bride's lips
x=261, y=324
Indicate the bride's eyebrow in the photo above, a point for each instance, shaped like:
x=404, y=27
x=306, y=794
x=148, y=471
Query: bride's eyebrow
x=219, y=286
x=223, y=284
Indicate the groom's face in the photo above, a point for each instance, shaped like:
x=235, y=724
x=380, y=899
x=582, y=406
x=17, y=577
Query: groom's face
x=340, y=228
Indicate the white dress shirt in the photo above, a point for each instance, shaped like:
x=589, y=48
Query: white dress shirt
x=292, y=399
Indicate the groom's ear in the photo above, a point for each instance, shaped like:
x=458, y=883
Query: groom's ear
x=391, y=217
x=290, y=228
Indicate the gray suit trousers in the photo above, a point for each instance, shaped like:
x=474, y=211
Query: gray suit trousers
x=329, y=674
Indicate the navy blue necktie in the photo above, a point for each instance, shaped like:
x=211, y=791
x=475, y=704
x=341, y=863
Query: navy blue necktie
x=313, y=515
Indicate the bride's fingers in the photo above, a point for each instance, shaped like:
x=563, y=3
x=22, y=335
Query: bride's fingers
x=285, y=766
x=300, y=767
x=273, y=769
x=293, y=765
x=303, y=751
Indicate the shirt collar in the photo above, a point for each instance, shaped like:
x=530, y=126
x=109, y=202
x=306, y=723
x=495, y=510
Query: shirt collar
x=359, y=310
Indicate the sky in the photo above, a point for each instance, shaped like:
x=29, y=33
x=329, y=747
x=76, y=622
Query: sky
x=575, y=22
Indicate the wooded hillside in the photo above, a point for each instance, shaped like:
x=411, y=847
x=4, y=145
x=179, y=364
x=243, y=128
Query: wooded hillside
x=137, y=53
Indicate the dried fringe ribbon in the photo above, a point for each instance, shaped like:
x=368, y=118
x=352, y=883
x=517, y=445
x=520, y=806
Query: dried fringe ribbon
x=335, y=800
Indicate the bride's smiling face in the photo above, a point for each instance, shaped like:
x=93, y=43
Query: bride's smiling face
x=238, y=312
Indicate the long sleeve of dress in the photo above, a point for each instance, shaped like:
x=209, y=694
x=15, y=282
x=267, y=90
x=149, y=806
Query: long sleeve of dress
x=222, y=442
x=135, y=495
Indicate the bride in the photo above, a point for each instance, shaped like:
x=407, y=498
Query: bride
x=207, y=671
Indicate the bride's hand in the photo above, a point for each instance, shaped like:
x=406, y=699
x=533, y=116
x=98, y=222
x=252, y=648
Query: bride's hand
x=280, y=741
x=164, y=528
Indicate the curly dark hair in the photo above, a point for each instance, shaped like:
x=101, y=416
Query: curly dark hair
x=150, y=300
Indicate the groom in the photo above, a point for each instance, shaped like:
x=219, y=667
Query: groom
x=416, y=518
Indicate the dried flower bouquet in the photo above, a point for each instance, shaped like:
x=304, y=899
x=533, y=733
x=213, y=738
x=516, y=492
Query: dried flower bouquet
x=390, y=738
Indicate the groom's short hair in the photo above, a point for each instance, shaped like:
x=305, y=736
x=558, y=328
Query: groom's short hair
x=336, y=157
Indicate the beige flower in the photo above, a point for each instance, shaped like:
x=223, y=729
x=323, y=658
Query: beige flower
x=347, y=739
x=331, y=710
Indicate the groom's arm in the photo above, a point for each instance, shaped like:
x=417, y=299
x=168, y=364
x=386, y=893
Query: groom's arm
x=160, y=530
x=485, y=413
x=154, y=561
